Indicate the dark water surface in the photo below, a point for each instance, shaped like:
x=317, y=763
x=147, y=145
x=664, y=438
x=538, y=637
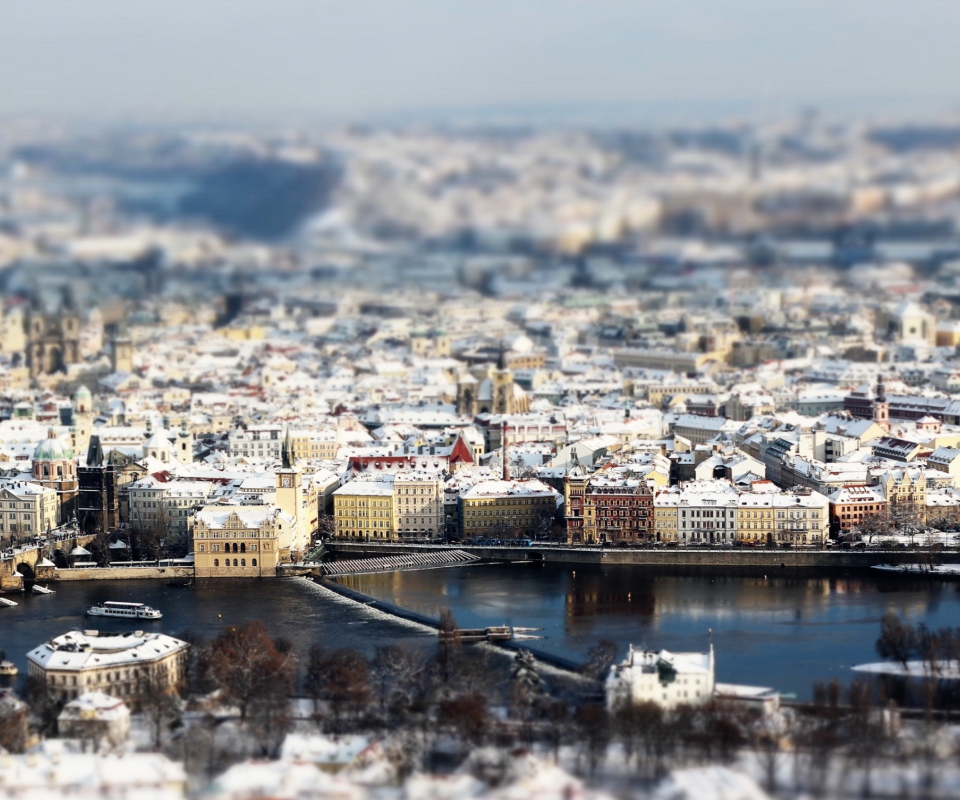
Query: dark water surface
x=781, y=632
x=293, y=607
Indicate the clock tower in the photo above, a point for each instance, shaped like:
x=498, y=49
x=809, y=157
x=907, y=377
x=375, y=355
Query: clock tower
x=290, y=494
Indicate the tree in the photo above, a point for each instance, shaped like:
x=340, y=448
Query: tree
x=593, y=728
x=245, y=664
x=467, y=715
x=639, y=726
x=528, y=689
x=46, y=705
x=158, y=702
x=897, y=642
x=600, y=658
x=449, y=633
x=347, y=684
x=865, y=733
x=315, y=680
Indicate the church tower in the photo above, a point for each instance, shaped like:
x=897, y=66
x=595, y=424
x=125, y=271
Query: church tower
x=121, y=352
x=881, y=408
x=290, y=494
x=185, y=443
x=502, y=378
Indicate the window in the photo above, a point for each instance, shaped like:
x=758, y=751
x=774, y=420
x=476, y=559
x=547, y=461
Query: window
x=243, y=562
x=253, y=563
x=216, y=562
x=234, y=562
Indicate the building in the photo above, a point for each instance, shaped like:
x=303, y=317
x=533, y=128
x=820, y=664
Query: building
x=55, y=467
x=115, y=664
x=802, y=517
x=495, y=394
x=242, y=541
x=53, y=340
x=418, y=505
x=667, y=679
x=364, y=510
x=616, y=510
x=98, y=491
x=666, y=515
x=91, y=776
x=755, y=517
x=95, y=717
x=507, y=509
x=257, y=441
x=851, y=505
x=14, y=722
x=27, y=509
x=707, y=512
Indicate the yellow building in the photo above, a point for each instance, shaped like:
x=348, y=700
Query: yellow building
x=314, y=445
x=755, y=513
x=246, y=541
x=27, y=508
x=665, y=514
x=364, y=509
x=512, y=509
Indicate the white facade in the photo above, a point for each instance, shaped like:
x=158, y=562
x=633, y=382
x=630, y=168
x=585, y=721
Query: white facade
x=665, y=678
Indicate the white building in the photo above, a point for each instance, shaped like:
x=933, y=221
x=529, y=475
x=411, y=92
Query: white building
x=95, y=717
x=707, y=511
x=76, y=663
x=665, y=678
x=418, y=504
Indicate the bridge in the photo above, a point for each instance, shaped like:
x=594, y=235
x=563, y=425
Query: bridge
x=20, y=563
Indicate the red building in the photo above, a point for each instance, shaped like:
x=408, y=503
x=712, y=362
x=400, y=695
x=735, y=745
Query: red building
x=613, y=510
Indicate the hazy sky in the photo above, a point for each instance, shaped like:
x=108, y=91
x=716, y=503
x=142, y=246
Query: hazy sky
x=362, y=59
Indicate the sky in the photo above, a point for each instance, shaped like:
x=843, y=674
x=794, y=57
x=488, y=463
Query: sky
x=369, y=60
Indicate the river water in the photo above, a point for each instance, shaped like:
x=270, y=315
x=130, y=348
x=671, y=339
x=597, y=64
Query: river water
x=781, y=632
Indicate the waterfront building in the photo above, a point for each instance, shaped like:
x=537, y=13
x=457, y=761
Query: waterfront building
x=418, y=504
x=665, y=678
x=242, y=541
x=617, y=510
x=756, y=513
x=98, y=491
x=27, y=508
x=115, y=664
x=364, y=509
x=850, y=506
x=801, y=517
x=666, y=514
x=521, y=509
x=707, y=512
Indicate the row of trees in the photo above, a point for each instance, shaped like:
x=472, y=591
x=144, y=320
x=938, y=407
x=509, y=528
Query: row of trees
x=902, y=642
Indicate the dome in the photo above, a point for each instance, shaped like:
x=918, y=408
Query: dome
x=82, y=393
x=52, y=449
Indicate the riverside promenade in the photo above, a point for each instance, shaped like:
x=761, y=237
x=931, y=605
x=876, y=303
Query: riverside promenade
x=694, y=559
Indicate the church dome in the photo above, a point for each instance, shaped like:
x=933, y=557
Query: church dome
x=82, y=393
x=52, y=449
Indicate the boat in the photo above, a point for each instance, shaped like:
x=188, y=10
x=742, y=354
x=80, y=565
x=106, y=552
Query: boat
x=8, y=669
x=5, y=602
x=38, y=589
x=123, y=610
x=184, y=584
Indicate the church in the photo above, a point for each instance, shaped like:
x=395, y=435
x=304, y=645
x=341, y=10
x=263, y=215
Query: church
x=495, y=394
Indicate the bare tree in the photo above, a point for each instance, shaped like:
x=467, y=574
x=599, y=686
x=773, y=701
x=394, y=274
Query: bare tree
x=897, y=641
x=600, y=658
x=158, y=702
x=467, y=716
x=593, y=729
x=245, y=664
x=346, y=685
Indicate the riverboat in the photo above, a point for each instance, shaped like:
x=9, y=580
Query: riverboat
x=123, y=610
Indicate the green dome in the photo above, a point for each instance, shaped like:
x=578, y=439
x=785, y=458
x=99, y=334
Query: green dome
x=52, y=449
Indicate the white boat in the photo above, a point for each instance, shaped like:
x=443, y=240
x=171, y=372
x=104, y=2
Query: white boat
x=38, y=589
x=123, y=610
x=5, y=602
x=8, y=669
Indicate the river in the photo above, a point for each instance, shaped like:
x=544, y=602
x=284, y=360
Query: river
x=781, y=632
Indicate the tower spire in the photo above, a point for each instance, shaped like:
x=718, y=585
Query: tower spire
x=286, y=454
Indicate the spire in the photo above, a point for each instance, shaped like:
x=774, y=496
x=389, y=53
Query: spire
x=881, y=393
x=95, y=452
x=501, y=358
x=286, y=451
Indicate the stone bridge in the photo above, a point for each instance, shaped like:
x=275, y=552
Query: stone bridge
x=22, y=563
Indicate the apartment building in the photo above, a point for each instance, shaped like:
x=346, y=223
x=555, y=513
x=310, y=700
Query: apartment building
x=614, y=510
x=364, y=509
x=507, y=509
x=27, y=508
x=418, y=504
